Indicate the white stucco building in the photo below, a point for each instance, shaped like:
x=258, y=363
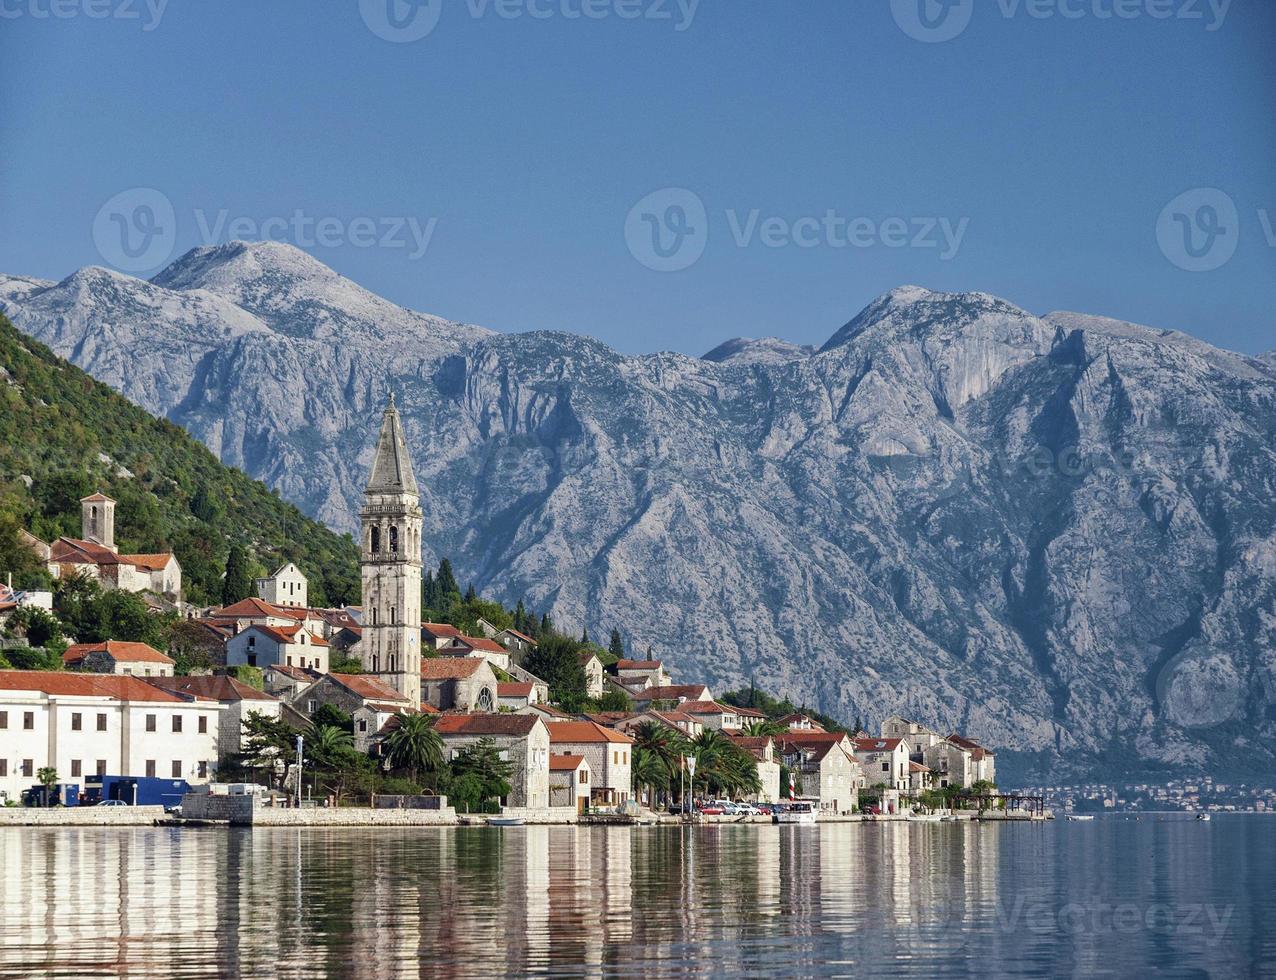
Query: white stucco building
x=85, y=724
x=286, y=586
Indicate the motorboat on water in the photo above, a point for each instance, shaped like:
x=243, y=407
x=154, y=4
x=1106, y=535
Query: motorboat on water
x=799, y=812
x=505, y=821
x=1202, y=816
x=1081, y=817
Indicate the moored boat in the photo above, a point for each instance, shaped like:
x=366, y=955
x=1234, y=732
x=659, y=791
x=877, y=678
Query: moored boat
x=505, y=821
x=1081, y=817
x=797, y=813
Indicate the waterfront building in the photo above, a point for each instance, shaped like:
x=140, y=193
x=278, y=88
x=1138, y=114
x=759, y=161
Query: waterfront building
x=522, y=740
x=104, y=724
x=608, y=753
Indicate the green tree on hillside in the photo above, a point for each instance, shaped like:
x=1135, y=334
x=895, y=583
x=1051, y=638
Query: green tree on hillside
x=237, y=583
x=617, y=646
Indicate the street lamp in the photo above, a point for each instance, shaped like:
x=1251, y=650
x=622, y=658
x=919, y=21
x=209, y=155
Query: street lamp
x=300, y=744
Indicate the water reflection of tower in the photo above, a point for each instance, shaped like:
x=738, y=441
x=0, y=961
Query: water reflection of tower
x=801, y=857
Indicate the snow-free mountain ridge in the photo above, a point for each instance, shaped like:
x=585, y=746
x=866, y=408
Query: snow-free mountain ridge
x=1056, y=533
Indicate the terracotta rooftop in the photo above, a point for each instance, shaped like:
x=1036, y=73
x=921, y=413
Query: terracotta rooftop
x=450, y=668
x=368, y=688
x=513, y=690
x=445, y=631
x=219, y=687
x=121, y=651
x=115, y=686
x=522, y=636
x=152, y=563
x=565, y=763
x=482, y=643
x=638, y=664
x=73, y=551
x=575, y=732
x=673, y=692
x=499, y=724
x=252, y=607
x=877, y=744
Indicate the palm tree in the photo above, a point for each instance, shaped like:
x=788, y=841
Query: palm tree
x=48, y=777
x=415, y=745
x=648, y=770
x=663, y=742
x=709, y=747
x=763, y=729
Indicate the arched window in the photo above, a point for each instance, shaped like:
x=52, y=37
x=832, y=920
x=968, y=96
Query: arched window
x=374, y=615
x=484, y=702
x=394, y=540
x=93, y=519
x=374, y=539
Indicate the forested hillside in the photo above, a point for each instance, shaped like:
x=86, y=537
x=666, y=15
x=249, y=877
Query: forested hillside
x=64, y=435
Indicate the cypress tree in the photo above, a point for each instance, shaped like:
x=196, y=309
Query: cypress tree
x=617, y=646
x=236, y=585
x=584, y=636
x=520, y=618
x=445, y=581
x=470, y=594
x=547, y=624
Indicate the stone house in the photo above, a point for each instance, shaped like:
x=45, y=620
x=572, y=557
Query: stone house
x=569, y=783
x=458, y=684
x=642, y=673
x=711, y=714
x=481, y=646
x=983, y=761
x=518, y=644
x=265, y=646
x=764, y=754
x=286, y=586
x=885, y=761
x=523, y=741
x=594, y=673
x=608, y=753
x=439, y=636
x=515, y=695
x=349, y=693
x=827, y=771
x=374, y=720
x=918, y=735
x=285, y=683
x=949, y=764
x=117, y=657
x=673, y=693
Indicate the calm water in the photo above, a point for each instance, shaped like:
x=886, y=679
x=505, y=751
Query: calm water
x=1115, y=897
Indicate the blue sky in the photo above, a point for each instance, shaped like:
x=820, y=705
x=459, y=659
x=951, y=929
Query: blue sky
x=1049, y=137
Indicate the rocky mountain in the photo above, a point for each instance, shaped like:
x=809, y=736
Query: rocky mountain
x=1055, y=533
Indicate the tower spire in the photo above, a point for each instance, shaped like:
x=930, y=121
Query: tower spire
x=391, y=466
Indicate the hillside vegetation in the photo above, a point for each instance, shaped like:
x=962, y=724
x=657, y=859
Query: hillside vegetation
x=64, y=435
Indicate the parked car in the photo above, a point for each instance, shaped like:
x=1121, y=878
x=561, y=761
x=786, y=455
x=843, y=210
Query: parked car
x=748, y=810
x=110, y=803
x=711, y=810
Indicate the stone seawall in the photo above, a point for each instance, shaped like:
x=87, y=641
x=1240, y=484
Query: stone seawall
x=245, y=811
x=81, y=816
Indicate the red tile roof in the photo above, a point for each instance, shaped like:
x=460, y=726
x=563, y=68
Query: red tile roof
x=287, y=634
x=705, y=708
x=482, y=643
x=513, y=690
x=501, y=724
x=673, y=692
x=368, y=688
x=296, y=673
x=521, y=636
x=442, y=631
x=252, y=608
x=576, y=732
x=638, y=664
x=152, y=563
x=121, y=651
x=73, y=551
x=218, y=687
x=115, y=686
x=565, y=763
x=450, y=668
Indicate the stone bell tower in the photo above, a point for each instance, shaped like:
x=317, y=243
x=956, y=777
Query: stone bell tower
x=391, y=563
x=97, y=520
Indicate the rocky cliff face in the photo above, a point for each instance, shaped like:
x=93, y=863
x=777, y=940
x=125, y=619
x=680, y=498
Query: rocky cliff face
x=1055, y=532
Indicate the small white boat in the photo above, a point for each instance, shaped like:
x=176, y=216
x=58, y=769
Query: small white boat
x=505, y=821
x=1081, y=817
x=798, y=813
x=926, y=817
x=1202, y=816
